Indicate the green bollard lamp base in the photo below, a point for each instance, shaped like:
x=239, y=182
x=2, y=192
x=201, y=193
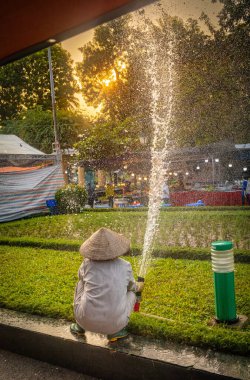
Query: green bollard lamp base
x=240, y=322
x=231, y=322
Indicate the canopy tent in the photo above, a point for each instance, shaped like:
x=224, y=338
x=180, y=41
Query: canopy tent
x=15, y=152
x=25, y=188
x=11, y=144
x=28, y=26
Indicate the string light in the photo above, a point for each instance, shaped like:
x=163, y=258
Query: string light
x=216, y=160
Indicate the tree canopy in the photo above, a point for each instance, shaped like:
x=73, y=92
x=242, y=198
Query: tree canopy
x=234, y=14
x=211, y=100
x=111, y=73
x=25, y=84
x=35, y=126
x=108, y=140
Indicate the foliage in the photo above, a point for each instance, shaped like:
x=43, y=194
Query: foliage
x=25, y=83
x=108, y=140
x=45, y=280
x=35, y=127
x=211, y=74
x=227, y=69
x=71, y=199
x=11, y=87
x=211, y=84
x=234, y=14
x=112, y=76
x=110, y=70
x=192, y=228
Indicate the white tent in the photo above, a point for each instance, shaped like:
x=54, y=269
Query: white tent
x=11, y=144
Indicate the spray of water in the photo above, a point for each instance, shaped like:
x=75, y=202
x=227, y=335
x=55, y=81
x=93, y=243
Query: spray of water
x=162, y=75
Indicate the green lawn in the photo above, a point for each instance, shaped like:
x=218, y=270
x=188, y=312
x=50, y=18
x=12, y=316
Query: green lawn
x=180, y=291
x=192, y=228
x=42, y=281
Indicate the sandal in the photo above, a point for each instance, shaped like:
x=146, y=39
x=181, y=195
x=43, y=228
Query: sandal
x=119, y=335
x=76, y=329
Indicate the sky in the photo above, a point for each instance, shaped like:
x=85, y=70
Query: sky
x=182, y=8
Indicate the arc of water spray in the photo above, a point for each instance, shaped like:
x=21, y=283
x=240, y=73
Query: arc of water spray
x=161, y=118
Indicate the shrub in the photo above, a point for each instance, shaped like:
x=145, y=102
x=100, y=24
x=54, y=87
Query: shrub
x=71, y=199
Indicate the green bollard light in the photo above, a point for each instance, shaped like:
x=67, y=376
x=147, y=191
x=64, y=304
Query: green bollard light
x=223, y=268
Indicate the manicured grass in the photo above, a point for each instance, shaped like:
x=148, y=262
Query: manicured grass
x=38, y=280
x=192, y=228
x=42, y=281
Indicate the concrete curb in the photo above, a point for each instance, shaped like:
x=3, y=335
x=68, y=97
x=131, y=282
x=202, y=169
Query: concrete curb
x=134, y=358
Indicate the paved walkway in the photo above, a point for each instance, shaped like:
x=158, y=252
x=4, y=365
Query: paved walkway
x=18, y=367
x=133, y=358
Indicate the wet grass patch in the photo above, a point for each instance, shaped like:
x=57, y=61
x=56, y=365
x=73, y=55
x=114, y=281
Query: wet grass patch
x=192, y=228
x=42, y=281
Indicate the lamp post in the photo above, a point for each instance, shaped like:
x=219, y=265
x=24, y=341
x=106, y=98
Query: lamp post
x=143, y=139
x=218, y=162
x=207, y=177
x=212, y=169
x=57, y=145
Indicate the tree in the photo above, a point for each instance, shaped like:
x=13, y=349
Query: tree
x=11, y=85
x=112, y=75
x=25, y=84
x=106, y=141
x=234, y=14
x=226, y=74
x=128, y=92
x=211, y=78
x=187, y=57
x=212, y=91
x=35, y=127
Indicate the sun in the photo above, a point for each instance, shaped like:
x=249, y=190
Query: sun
x=110, y=79
x=119, y=70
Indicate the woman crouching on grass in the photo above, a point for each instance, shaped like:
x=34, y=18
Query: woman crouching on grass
x=105, y=293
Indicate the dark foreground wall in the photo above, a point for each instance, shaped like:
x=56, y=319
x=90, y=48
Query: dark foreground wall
x=134, y=358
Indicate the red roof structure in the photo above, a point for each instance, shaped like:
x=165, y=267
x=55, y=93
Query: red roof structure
x=28, y=26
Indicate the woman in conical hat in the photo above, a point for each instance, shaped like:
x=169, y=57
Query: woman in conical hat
x=105, y=293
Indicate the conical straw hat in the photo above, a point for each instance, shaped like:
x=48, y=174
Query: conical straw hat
x=105, y=244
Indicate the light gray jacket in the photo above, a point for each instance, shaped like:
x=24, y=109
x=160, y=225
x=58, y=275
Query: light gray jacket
x=105, y=295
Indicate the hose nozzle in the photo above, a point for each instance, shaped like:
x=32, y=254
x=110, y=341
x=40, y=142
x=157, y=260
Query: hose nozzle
x=138, y=296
